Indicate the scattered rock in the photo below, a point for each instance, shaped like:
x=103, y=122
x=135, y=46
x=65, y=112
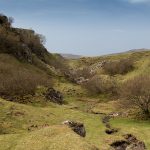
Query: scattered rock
x=114, y=114
x=76, y=127
x=97, y=113
x=32, y=127
x=54, y=96
x=135, y=144
x=98, y=65
x=130, y=142
x=81, y=80
x=111, y=131
x=120, y=145
x=106, y=119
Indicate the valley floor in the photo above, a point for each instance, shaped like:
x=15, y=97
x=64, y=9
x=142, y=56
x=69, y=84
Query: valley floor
x=38, y=125
x=40, y=128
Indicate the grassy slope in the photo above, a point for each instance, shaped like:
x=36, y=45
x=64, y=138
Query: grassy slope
x=51, y=115
x=142, y=60
x=16, y=119
x=141, y=129
x=48, y=138
x=142, y=65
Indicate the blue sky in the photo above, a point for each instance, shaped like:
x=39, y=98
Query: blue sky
x=85, y=27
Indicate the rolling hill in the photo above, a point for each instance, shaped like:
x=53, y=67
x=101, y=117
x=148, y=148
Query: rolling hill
x=32, y=81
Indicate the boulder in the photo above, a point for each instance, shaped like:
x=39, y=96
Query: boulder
x=77, y=127
x=120, y=145
x=54, y=96
x=135, y=144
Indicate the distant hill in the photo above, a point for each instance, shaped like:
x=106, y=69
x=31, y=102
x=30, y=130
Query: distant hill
x=138, y=50
x=70, y=56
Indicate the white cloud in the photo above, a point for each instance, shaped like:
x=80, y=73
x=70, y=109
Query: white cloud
x=138, y=1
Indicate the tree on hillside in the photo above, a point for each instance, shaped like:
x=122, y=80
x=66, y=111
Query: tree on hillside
x=136, y=92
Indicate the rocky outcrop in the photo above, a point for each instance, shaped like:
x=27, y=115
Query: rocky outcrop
x=78, y=75
x=24, y=44
x=111, y=130
x=98, y=65
x=54, y=96
x=24, y=53
x=81, y=80
x=130, y=142
x=77, y=127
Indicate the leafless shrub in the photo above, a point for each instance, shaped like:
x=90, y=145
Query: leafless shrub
x=118, y=67
x=136, y=93
x=101, y=85
x=20, y=79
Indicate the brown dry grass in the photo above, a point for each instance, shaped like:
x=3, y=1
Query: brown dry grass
x=19, y=79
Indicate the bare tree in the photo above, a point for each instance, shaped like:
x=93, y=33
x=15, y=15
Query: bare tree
x=136, y=92
x=101, y=85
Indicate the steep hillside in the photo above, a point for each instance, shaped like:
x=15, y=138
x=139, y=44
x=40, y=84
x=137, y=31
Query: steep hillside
x=25, y=63
x=141, y=63
x=26, y=46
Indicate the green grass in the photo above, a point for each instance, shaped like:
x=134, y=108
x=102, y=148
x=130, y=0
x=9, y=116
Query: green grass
x=141, y=59
x=49, y=138
x=22, y=127
x=106, y=107
x=18, y=137
x=51, y=115
x=141, y=129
